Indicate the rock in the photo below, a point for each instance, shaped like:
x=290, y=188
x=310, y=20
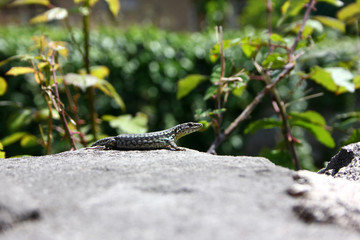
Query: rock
x=93, y=194
x=345, y=164
x=16, y=205
x=327, y=200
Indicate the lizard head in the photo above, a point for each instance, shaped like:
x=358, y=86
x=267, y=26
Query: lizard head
x=186, y=128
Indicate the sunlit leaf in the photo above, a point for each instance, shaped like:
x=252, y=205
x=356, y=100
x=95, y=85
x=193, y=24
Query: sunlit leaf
x=50, y=15
x=127, y=123
x=60, y=47
x=26, y=2
x=276, y=38
x=275, y=60
x=114, y=6
x=285, y=7
x=315, y=124
x=109, y=90
x=100, y=72
x=2, y=153
x=324, y=78
x=15, y=71
x=81, y=81
x=265, y=123
x=331, y=22
x=247, y=47
x=187, y=84
x=342, y=77
x=309, y=116
x=12, y=138
x=215, y=51
x=336, y=3
x=239, y=89
x=3, y=86
x=291, y=8
x=348, y=11
x=91, y=2
x=28, y=141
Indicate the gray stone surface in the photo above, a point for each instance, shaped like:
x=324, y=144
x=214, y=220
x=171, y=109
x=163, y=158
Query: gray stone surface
x=161, y=194
x=345, y=164
x=325, y=199
x=329, y=197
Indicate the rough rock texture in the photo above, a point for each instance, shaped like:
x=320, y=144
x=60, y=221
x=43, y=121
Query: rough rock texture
x=329, y=197
x=327, y=200
x=345, y=164
x=93, y=194
x=16, y=205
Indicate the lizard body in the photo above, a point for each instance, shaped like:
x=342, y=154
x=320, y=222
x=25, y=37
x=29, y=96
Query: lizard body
x=152, y=140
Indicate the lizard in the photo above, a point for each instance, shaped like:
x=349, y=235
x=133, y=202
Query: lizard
x=147, y=141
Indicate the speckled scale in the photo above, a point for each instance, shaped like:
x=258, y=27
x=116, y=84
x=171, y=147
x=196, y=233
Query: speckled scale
x=153, y=140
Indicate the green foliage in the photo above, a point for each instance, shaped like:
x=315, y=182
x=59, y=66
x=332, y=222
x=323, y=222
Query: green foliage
x=187, y=84
x=271, y=58
x=2, y=153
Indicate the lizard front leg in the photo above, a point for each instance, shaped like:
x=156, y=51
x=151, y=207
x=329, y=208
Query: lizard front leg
x=175, y=147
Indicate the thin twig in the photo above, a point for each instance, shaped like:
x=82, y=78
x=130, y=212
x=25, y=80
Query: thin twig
x=58, y=105
x=286, y=70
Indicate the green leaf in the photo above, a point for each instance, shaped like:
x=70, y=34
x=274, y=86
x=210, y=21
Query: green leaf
x=211, y=91
x=87, y=80
x=265, y=123
x=100, y=72
x=348, y=11
x=91, y=2
x=248, y=47
x=15, y=71
x=275, y=60
x=336, y=79
x=315, y=124
x=239, y=89
x=81, y=81
x=309, y=116
x=3, y=86
x=215, y=51
x=187, y=84
x=336, y=3
x=217, y=111
x=28, y=141
x=107, y=88
x=11, y=59
x=355, y=137
x=276, y=38
x=50, y=15
x=331, y=22
x=13, y=138
x=20, y=119
x=26, y=2
x=342, y=77
x=2, y=153
x=114, y=6
x=127, y=123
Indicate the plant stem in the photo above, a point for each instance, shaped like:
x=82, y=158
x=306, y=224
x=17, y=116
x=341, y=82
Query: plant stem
x=90, y=90
x=249, y=108
x=286, y=70
x=59, y=106
x=286, y=130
